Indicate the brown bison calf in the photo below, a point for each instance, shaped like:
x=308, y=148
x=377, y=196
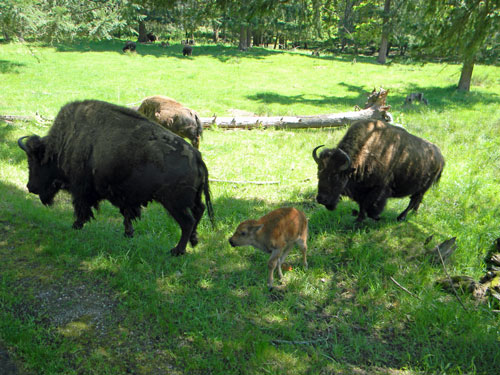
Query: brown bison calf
x=173, y=116
x=274, y=233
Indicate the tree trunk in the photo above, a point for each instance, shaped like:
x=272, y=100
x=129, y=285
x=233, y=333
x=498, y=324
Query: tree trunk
x=384, y=40
x=143, y=38
x=6, y=35
x=243, y=38
x=257, y=38
x=249, y=37
x=466, y=75
x=216, y=33
x=276, y=40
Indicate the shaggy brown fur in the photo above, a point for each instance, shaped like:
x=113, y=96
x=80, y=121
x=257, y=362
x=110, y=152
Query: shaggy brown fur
x=173, y=116
x=97, y=150
x=376, y=161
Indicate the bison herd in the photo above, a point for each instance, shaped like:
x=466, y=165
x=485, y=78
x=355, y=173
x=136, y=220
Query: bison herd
x=100, y=151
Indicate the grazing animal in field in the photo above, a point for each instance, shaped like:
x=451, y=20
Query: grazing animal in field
x=97, y=150
x=152, y=37
x=129, y=46
x=275, y=233
x=375, y=161
x=410, y=98
x=173, y=116
x=187, y=50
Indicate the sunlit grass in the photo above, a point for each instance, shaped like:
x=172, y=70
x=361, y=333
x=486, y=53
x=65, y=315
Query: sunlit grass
x=209, y=310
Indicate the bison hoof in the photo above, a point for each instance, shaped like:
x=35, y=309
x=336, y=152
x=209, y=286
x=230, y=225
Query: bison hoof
x=401, y=218
x=360, y=219
x=176, y=251
x=129, y=234
x=77, y=225
x=194, y=239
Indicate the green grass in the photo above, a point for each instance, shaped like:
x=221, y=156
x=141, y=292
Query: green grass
x=94, y=302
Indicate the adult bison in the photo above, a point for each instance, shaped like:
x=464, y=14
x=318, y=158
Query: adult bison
x=376, y=161
x=173, y=116
x=97, y=150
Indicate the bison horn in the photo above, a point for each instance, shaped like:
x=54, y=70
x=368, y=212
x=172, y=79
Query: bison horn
x=21, y=144
x=315, y=157
x=347, y=163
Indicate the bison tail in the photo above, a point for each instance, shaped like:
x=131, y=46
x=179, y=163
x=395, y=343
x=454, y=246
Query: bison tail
x=199, y=126
x=206, y=191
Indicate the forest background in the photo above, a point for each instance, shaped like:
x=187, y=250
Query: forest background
x=464, y=31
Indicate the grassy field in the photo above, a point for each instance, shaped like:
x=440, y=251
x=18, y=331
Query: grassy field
x=95, y=302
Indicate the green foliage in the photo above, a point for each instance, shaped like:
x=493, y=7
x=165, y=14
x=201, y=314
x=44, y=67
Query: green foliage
x=94, y=302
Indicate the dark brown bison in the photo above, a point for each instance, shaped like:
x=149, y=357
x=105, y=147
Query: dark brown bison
x=129, y=46
x=97, y=150
x=152, y=37
x=376, y=161
x=173, y=116
x=187, y=50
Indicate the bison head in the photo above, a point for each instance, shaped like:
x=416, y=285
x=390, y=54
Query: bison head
x=43, y=172
x=334, y=168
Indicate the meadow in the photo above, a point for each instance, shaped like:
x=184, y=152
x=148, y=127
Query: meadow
x=94, y=302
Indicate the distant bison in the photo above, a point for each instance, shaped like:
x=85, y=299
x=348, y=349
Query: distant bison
x=129, y=46
x=173, y=116
x=152, y=37
x=96, y=150
x=187, y=50
x=376, y=161
x=275, y=233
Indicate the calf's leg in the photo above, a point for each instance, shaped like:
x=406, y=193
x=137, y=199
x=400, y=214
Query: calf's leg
x=271, y=265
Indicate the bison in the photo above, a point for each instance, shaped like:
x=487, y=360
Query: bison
x=187, y=50
x=173, y=116
x=152, y=37
x=97, y=150
x=274, y=233
x=129, y=46
x=375, y=161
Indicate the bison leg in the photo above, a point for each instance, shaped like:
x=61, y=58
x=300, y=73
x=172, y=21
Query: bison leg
x=83, y=212
x=374, y=203
x=282, y=259
x=271, y=266
x=197, y=211
x=129, y=214
x=415, y=201
x=302, y=243
x=187, y=223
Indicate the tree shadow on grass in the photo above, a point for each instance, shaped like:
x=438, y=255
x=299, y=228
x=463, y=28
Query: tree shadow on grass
x=10, y=67
x=9, y=149
x=221, y=52
x=440, y=98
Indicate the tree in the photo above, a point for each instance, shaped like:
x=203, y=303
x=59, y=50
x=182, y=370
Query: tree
x=460, y=28
x=384, y=41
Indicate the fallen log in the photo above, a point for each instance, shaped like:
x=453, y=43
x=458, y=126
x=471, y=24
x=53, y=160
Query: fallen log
x=375, y=109
x=14, y=118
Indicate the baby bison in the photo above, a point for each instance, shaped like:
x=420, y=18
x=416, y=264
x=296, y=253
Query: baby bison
x=274, y=233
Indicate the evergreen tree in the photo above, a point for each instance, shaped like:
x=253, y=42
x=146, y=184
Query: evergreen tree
x=460, y=28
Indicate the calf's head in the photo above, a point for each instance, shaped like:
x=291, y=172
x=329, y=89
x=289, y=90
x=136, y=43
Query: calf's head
x=245, y=233
x=43, y=172
x=334, y=168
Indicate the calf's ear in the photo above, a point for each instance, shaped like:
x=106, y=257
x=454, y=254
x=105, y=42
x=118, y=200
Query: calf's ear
x=255, y=228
